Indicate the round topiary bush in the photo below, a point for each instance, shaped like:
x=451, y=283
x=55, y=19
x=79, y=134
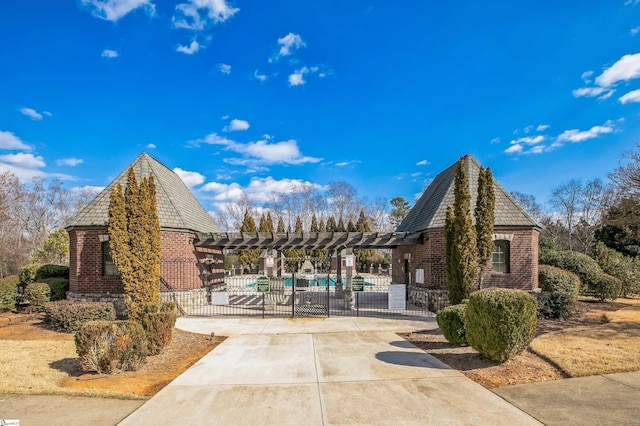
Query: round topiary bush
x=555, y=305
x=451, y=323
x=556, y=280
x=608, y=287
x=500, y=323
x=37, y=294
x=580, y=264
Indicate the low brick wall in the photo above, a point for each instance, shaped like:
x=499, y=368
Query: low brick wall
x=431, y=298
x=187, y=299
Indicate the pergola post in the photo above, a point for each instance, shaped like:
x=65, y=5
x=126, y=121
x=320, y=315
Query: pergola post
x=349, y=302
x=339, y=287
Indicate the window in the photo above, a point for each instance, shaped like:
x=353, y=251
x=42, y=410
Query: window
x=500, y=261
x=108, y=267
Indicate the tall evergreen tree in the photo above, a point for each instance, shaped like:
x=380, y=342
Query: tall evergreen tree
x=280, y=224
x=314, y=224
x=269, y=223
x=485, y=220
x=464, y=248
x=263, y=223
x=134, y=241
x=362, y=255
x=322, y=227
x=248, y=256
x=331, y=224
x=351, y=227
x=340, y=227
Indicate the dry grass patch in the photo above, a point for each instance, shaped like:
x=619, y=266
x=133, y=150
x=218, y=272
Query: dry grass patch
x=38, y=361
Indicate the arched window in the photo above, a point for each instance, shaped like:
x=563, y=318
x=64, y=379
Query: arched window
x=500, y=262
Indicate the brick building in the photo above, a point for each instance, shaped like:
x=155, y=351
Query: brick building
x=515, y=259
x=184, y=267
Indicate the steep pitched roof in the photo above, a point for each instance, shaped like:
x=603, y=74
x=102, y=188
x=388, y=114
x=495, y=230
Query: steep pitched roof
x=177, y=207
x=430, y=210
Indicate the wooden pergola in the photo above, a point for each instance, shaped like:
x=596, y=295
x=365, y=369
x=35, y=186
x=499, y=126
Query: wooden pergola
x=307, y=240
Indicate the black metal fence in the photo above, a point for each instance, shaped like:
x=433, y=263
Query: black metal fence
x=294, y=296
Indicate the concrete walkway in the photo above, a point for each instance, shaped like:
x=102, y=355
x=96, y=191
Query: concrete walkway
x=321, y=372
x=609, y=399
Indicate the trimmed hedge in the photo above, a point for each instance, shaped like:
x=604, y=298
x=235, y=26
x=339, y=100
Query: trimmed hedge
x=608, y=287
x=52, y=271
x=28, y=274
x=556, y=305
x=158, y=321
x=68, y=316
x=556, y=280
x=451, y=323
x=500, y=323
x=8, y=292
x=109, y=346
x=580, y=264
x=37, y=294
x=59, y=287
x=625, y=268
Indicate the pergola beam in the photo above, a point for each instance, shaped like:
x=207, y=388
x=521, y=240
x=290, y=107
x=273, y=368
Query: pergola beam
x=306, y=240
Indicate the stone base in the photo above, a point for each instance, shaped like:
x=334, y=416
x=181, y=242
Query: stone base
x=116, y=299
x=431, y=298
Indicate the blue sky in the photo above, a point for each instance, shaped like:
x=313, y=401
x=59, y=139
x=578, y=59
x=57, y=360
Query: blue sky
x=256, y=96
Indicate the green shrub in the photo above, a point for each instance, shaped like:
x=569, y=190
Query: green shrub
x=158, y=321
x=58, y=286
x=608, y=287
x=625, y=268
x=68, y=316
x=580, y=264
x=555, y=305
x=28, y=274
x=37, y=294
x=52, y=271
x=8, y=292
x=109, y=346
x=451, y=323
x=556, y=280
x=500, y=323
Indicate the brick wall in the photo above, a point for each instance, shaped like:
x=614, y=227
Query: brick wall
x=182, y=264
x=429, y=256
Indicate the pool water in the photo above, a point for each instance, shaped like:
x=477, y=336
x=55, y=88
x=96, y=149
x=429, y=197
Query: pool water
x=317, y=282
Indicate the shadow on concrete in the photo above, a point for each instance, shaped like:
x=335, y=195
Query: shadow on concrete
x=402, y=344
x=410, y=359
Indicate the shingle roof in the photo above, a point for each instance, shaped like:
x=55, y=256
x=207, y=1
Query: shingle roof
x=177, y=207
x=430, y=210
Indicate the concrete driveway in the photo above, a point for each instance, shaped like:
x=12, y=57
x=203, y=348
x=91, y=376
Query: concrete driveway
x=314, y=377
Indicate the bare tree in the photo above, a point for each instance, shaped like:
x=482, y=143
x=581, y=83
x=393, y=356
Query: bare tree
x=626, y=177
x=343, y=202
x=14, y=249
x=565, y=199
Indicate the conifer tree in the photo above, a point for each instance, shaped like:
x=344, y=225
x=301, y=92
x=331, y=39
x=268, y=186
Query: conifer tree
x=269, y=223
x=351, y=227
x=331, y=224
x=314, y=224
x=340, y=226
x=134, y=240
x=464, y=248
x=485, y=220
x=322, y=227
x=362, y=255
x=263, y=222
x=248, y=256
x=280, y=224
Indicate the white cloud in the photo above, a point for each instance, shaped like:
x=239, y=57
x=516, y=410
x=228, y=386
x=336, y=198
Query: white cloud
x=343, y=164
x=633, y=96
x=416, y=174
x=513, y=149
x=112, y=10
x=198, y=14
x=30, y=112
x=542, y=127
x=109, y=53
x=236, y=125
x=634, y=31
x=47, y=113
x=151, y=146
x=575, y=135
x=422, y=163
x=190, y=179
x=297, y=78
x=262, y=152
x=22, y=160
x=631, y=2
x=589, y=92
x=69, y=162
x=259, y=189
x=189, y=50
x=529, y=140
x=586, y=76
x=289, y=43
x=224, y=68
x=10, y=141
x=495, y=140
x=625, y=69
x=258, y=76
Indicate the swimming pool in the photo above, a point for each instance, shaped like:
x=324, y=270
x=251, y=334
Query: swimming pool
x=316, y=282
